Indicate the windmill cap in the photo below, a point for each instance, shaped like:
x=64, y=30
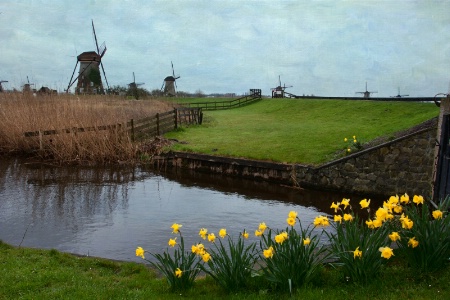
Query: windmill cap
x=89, y=56
x=169, y=78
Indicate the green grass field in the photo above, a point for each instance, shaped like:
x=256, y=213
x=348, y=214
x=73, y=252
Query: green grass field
x=49, y=274
x=298, y=131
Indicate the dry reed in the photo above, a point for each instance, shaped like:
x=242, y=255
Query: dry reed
x=20, y=113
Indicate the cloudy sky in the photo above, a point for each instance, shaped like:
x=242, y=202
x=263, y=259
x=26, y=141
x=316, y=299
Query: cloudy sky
x=326, y=48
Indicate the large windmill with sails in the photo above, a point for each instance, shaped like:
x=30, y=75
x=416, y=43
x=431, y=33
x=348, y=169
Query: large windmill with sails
x=89, y=79
x=169, y=85
x=366, y=93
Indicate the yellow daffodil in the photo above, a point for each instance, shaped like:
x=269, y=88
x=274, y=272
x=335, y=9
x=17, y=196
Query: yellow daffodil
x=354, y=137
x=335, y=206
x=290, y=221
x=381, y=213
x=280, y=238
x=178, y=272
x=406, y=222
x=268, y=253
x=194, y=249
x=211, y=237
x=413, y=242
x=357, y=253
x=203, y=233
x=321, y=221
x=437, y=214
x=394, y=236
x=355, y=141
x=345, y=202
x=306, y=241
x=262, y=227
x=338, y=218
x=176, y=227
x=348, y=217
x=386, y=252
x=345, y=139
x=140, y=252
x=206, y=257
x=364, y=203
x=377, y=223
x=393, y=200
x=222, y=232
x=398, y=209
x=172, y=242
x=198, y=249
x=245, y=234
x=292, y=214
x=349, y=150
x=404, y=199
x=369, y=224
x=258, y=233
x=418, y=199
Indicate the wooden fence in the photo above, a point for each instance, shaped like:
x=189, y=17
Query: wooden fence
x=137, y=129
x=255, y=95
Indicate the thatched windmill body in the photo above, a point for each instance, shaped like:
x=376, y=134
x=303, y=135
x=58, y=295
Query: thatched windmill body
x=169, y=85
x=89, y=79
x=366, y=93
x=278, y=92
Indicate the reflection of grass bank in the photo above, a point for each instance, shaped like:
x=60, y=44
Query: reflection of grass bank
x=299, y=131
x=49, y=274
x=21, y=113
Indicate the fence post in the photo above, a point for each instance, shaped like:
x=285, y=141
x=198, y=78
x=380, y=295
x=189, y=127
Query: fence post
x=132, y=129
x=41, y=146
x=157, y=124
x=175, y=111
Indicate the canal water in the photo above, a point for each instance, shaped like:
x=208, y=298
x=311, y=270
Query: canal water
x=108, y=212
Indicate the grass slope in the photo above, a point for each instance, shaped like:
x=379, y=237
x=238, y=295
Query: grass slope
x=49, y=274
x=298, y=131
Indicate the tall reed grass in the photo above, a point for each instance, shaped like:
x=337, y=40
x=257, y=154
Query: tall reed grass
x=20, y=113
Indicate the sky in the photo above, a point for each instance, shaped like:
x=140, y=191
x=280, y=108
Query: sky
x=322, y=48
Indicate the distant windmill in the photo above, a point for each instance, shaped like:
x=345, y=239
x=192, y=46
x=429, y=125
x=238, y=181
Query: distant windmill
x=27, y=87
x=89, y=80
x=278, y=92
x=1, y=87
x=169, y=85
x=366, y=93
x=398, y=95
x=133, y=86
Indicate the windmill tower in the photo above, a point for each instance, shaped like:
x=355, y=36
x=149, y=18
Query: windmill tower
x=398, y=95
x=27, y=87
x=278, y=92
x=366, y=93
x=89, y=80
x=1, y=87
x=133, y=88
x=169, y=85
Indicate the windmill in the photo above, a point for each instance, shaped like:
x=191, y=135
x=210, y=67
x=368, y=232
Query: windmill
x=27, y=87
x=169, y=85
x=1, y=87
x=398, y=95
x=133, y=87
x=89, y=80
x=366, y=93
x=278, y=92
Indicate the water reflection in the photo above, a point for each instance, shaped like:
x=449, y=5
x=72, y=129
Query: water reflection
x=108, y=212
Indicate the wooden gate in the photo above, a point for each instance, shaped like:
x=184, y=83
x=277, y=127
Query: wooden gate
x=442, y=183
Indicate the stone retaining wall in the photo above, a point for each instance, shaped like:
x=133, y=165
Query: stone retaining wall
x=401, y=165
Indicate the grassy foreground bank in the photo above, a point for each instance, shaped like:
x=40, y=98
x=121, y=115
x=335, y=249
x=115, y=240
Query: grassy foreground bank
x=49, y=274
x=298, y=131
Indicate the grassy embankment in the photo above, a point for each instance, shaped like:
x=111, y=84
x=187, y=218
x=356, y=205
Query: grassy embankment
x=298, y=131
x=49, y=274
x=21, y=113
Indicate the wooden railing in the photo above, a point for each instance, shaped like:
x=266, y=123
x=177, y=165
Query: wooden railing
x=137, y=129
x=255, y=95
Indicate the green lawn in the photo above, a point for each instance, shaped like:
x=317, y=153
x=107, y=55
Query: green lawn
x=49, y=274
x=298, y=131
